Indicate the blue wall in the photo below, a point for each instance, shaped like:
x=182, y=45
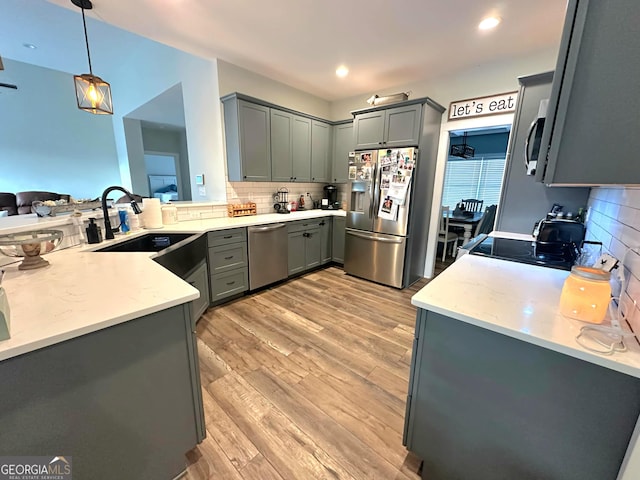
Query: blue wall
x=46, y=142
x=493, y=143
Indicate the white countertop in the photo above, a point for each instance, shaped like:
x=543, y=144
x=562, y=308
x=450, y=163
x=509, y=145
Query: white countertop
x=517, y=300
x=84, y=291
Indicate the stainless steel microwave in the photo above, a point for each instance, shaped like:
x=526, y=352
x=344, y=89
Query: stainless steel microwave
x=534, y=138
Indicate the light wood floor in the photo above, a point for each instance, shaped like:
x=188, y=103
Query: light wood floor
x=307, y=380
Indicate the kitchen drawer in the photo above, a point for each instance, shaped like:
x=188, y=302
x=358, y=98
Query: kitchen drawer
x=227, y=257
x=229, y=283
x=302, y=225
x=224, y=237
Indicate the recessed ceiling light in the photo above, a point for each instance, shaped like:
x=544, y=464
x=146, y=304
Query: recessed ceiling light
x=30, y=46
x=489, y=23
x=342, y=71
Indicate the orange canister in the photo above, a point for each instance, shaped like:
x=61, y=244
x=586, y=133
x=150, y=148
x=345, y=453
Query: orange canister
x=586, y=294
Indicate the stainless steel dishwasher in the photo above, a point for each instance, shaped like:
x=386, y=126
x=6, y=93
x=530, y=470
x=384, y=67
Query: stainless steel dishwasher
x=268, y=254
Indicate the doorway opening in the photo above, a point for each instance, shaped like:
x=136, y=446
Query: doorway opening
x=481, y=177
x=478, y=176
x=163, y=174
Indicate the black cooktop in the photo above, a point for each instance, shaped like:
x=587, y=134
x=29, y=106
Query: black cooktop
x=525, y=251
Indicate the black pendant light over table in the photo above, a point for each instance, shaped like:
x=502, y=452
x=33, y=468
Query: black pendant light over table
x=93, y=93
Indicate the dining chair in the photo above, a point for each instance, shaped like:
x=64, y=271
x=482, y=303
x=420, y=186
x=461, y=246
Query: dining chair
x=472, y=205
x=485, y=225
x=444, y=235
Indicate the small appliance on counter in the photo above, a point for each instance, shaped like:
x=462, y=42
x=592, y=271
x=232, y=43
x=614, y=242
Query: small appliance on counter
x=330, y=200
x=281, y=197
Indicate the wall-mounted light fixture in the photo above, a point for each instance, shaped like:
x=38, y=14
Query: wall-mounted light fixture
x=92, y=93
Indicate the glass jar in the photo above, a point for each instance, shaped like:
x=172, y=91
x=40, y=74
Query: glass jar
x=586, y=294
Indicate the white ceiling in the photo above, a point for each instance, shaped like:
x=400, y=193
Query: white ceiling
x=301, y=42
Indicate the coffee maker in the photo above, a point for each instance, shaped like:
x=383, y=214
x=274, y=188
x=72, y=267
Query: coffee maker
x=330, y=200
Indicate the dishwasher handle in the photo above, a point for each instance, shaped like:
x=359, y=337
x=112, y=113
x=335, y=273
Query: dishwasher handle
x=266, y=228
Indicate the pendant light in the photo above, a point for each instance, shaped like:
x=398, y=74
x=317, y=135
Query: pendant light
x=92, y=93
x=462, y=150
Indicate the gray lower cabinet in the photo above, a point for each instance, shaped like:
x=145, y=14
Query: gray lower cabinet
x=326, y=240
x=124, y=401
x=388, y=127
x=594, y=101
x=199, y=278
x=290, y=147
x=228, y=266
x=248, y=140
x=305, y=238
x=486, y=406
x=337, y=250
x=342, y=145
x=320, y=151
x=296, y=262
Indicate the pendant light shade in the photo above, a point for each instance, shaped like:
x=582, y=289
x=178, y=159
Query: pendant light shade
x=92, y=93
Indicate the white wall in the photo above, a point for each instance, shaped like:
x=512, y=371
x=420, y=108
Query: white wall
x=149, y=68
x=236, y=79
x=46, y=142
x=485, y=79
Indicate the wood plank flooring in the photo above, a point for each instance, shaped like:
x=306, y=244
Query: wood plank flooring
x=307, y=380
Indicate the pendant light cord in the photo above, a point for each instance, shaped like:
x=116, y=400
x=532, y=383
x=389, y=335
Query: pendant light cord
x=86, y=40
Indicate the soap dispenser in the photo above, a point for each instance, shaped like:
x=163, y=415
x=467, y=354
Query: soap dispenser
x=94, y=234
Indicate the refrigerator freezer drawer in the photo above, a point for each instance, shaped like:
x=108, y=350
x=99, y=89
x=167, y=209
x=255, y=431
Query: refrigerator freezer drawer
x=375, y=257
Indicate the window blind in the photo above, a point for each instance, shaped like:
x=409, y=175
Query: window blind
x=477, y=177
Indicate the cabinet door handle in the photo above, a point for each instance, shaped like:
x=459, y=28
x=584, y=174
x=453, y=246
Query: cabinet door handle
x=231, y=283
x=228, y=258
x=295, y=178
x=228, y=237
x=244, y=176
x=313, y=178
x=322, y=224
x=379, y=143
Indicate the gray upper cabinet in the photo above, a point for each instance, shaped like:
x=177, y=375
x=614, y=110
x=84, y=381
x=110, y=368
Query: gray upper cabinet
x=248, y=140
x=402, y=126
x=523, y=201
x=391, y=127
x=342, y=145
x=368, y=129
x=592, y=118
x=290, y=147
x=320, y=151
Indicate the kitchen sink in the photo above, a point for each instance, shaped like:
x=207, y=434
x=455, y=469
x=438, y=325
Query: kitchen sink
x=151, y=242
x=180, y=253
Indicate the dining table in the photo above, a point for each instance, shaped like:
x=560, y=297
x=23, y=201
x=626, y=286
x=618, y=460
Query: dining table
x=467, y=222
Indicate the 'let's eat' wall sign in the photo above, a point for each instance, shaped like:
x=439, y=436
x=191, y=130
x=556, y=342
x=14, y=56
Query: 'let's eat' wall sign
x=483, y=106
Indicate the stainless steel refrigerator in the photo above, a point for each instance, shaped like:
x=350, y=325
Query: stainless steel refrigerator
x=379, y=224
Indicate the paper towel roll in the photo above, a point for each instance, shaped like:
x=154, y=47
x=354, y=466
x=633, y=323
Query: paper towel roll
x=152, y=214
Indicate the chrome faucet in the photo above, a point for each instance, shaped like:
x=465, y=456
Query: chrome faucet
x=108, y=233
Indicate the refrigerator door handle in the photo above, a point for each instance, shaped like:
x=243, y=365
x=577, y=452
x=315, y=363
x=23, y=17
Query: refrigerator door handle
x=374, y=195
x=373, y=237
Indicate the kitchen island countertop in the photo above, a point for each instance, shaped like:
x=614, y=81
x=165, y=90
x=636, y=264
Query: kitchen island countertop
x=517, y=300
x=83, y=291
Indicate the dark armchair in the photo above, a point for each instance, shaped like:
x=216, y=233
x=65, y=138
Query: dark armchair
x=25, y=199
x=8, y=203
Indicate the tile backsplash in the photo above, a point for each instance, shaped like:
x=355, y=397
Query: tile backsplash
x=614, y=220
x=262, y=193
